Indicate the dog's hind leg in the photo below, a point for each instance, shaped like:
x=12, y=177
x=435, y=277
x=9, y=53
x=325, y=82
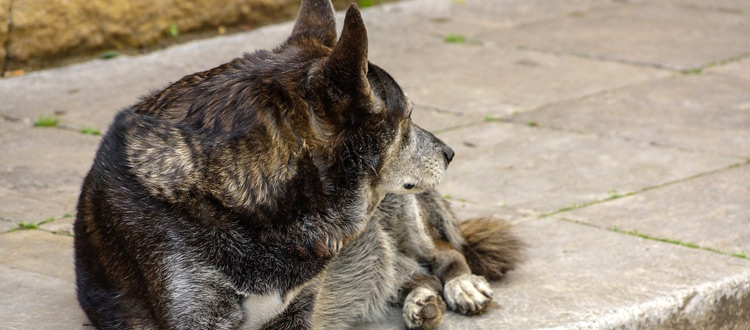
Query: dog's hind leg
x=423, y=305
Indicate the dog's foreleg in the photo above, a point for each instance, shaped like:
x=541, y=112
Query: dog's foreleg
x=464, y=292
x=423, y=305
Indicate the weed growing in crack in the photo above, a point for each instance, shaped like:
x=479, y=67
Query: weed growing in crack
x=23, y=225
x=45, y=121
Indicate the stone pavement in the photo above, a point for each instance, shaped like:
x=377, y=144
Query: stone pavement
x=614, y=134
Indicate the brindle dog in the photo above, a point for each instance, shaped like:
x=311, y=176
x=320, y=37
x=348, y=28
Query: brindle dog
x=214, y=203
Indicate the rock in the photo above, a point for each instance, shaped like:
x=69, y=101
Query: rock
x=60, y=27
x=4, y=24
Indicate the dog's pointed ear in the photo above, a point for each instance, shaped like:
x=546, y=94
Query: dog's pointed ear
x=347, y=64
x=315, y=20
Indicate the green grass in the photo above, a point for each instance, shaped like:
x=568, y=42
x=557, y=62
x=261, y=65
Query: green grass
x=446, y=196
x=455, y=39
x=23, y=225
x=45, y=121
x=173, y=31
x=368, y=3
x=740, y=255
x=68, y=215
x=108, y=54
x=695, y=71
x=90, y=131
x=532, y=123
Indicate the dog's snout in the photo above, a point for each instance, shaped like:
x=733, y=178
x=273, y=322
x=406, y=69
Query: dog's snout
x=448, y=154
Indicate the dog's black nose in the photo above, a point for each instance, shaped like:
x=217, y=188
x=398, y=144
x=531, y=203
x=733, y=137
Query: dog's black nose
x=448, y=154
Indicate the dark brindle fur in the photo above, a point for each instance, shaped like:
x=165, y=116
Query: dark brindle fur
x=216, y=202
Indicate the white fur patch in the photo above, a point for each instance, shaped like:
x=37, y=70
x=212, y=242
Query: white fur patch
x=261, y=308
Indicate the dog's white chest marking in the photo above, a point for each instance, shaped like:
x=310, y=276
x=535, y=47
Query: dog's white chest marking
x=261, y=308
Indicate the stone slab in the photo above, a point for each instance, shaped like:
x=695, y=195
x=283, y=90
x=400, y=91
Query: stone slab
x=651, y=33
x=39, y=252
x=522, y=167
x=37, y=281
x=484, y=80
x=41, y=170
x=710, y=211
x=34, y=301
x=705, y=112
x=430, y=18
x=579, y=277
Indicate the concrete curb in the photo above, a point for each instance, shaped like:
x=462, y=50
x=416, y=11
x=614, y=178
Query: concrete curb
x=703, y=307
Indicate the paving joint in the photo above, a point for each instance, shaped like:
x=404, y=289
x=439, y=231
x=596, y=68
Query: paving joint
x=601, y=59
x=440, y=109
x=533, y=123
x=576, y=206
x=718, y=9
x=504, y=118
x=636, y=233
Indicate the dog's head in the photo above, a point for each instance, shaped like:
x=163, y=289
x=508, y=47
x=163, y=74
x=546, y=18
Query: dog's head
x=360, y=108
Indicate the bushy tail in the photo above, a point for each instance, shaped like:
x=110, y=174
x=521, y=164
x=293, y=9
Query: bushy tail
x=491, y=248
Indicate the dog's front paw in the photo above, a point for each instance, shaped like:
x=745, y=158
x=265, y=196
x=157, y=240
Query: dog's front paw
x=423, y=309
x=468, y=294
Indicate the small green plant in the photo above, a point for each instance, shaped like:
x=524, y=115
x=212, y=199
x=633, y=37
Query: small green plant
x=489, y=119
x=173, y=31
x=613, y=193
x=108, y=54
x=446, y=196
x=532, y=123
x=368, y=3
x=571, y=207
x=455, y=39
x=89, y=131
x=45, y=121
x=67, y=215
x=695, y=71
x=23, y=225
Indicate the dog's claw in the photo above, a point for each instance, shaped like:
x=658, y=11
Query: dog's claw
x=468, y=294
